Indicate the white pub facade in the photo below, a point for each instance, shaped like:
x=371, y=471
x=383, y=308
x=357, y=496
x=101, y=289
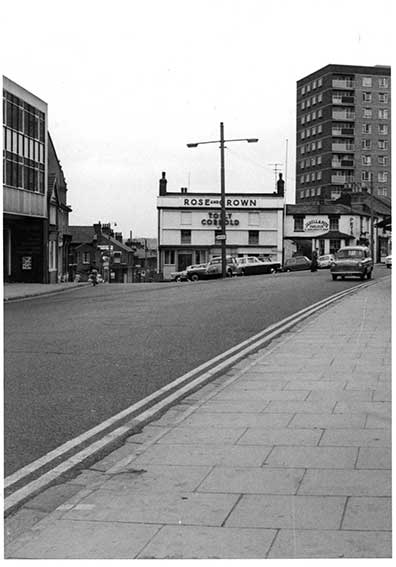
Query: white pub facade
x=189, y=223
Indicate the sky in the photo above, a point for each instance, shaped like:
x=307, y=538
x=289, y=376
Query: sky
x=129, y=83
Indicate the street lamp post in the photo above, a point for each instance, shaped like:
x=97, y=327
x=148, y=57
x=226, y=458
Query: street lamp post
x=222, y=189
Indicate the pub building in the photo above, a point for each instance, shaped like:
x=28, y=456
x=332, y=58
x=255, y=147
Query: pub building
x=189, y=224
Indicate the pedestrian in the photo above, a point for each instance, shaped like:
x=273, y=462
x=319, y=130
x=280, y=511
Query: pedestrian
x=94, y=276
x=314, y=261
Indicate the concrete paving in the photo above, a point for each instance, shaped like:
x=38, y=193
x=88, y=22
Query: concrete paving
x=287, y=455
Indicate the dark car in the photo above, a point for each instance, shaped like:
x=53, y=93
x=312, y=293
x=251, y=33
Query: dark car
x=251, y=265
x=213, y=269
x=297, y=263
x=196, y=272
x=352, y=261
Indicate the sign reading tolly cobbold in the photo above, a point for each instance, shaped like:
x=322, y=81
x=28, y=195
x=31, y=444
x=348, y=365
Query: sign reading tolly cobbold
x=215, y=219
x=316, y=225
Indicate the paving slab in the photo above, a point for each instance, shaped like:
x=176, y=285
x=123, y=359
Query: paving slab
x=297, y=512
x=346, y=482
x=316, y=544
x=280, y=436
x=327, y=421
x=357, y=438
x=368, y=514
x=374, y=458
x=190, y=542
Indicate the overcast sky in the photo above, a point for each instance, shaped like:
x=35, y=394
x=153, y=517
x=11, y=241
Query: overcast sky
x=128, y=83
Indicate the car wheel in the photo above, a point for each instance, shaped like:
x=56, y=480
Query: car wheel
x=194, y=278
x=288, y=270
x=243, y=272
x=178, y=279
x=334, y=276
x=229, y=274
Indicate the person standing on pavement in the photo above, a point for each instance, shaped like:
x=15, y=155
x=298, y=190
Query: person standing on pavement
x=314, y=262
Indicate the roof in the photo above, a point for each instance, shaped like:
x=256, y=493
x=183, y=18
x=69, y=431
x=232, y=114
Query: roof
x=335, y=235
x=314, y=209
x=82, y=233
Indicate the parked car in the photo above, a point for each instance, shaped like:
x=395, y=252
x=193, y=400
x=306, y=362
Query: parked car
x=252, y=265
x=352, y=261
x=325, y=260
x=213, y=269
x=297, y=263
x=196, y=272
x=388, y=261
x=180, y=276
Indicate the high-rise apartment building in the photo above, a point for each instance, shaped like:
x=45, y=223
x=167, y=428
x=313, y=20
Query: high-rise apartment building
x=343, y=132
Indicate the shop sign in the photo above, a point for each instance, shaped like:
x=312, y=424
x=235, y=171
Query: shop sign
x=229, y=202
x=317, y=225
x=214, y=219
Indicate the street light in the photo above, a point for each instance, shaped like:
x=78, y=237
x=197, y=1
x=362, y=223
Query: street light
x=222, y=236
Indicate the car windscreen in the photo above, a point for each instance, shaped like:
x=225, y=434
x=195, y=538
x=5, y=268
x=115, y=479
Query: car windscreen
x=342, y=254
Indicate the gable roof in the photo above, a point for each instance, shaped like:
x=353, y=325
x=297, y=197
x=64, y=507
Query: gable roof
x=81, y=233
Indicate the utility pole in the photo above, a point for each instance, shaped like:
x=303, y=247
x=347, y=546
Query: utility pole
x=373, y=252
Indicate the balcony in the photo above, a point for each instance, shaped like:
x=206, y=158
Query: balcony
x=336, y=131
x=343, y=84
x=19, y=201
x=341, y=179
x=338, y=147
x=343, y=163
x=343, y=99
x=343, y=115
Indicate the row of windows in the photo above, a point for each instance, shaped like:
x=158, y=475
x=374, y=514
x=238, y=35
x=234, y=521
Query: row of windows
x=383, y=98
x=383, y=113
x=315, y=84
x=310, y=162
x=367, y=160
x=382, y=176
x=315, y=191
x=311, y=116
x=382, y=82
x=383, y=129
x=22, y=176
x=299, y=220
x=185, y=238
x=311, y=131
x=311, y=147
x=24, y=118
x=381, y=144
x=311, y=101
x=313, y=176
x=22, y=146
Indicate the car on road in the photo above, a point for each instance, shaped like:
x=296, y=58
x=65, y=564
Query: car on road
x=213, y=269
x=196, y=272
x=388, y=261
x=353, y=261
x=325, y=260
x=297, y=263
x=250, y=265
x=180, y=276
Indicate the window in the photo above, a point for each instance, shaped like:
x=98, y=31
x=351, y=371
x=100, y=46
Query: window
x=318, y=189
x=320, y=113
x=313, y=176
x=314, y=85
x=302, y=134
x=303, y=105
x=383, y=129
x=320, y=82
x=301, y=194
x=320, y=129
x=52, y=255
x=313, y=146
x=307, y=178
x=302, y=163
x=367, y=97
x=254, y=219
x=319, y=160
x=298, y=224
x=86, y=257
x=302, y=119
x=309, y=117
x=319, y=175
x=366, y=144
x=366, y=160
x=313, y=130
x=307, y=162
x=383, y=97
x=382, y=191
x=383, y=83
x=314, y=115
x=313, y=192
x=366, y=128
x=253, y=237
x=365, y=176
x=307, y=192
x=303, y=90
x=308, y=103
x=314, y=100
x=117, y=257
x=319, y=144
x=302, y=179
x=302, y=150
x=334, y=223
x=367, y=82
x=367, y=113
x=383, y=177
x=169, y=257
x=308, y=88
x=382, y=160
x=383, y=114
x=185, y=236
x=313, y=161
x=320, y=96
x=382, y=144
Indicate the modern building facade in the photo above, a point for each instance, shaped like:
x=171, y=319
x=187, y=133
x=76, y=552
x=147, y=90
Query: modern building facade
x=343, y=132
x=189, y=224
x=25, y=174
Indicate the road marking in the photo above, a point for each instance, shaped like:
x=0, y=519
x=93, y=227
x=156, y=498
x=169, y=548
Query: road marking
x=145, y=410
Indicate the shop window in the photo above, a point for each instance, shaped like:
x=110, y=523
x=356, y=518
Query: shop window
x=86, y=257
x=334, y=223
x=253, y=237
x=185, y=236
x=335, y=245
x=169, y=257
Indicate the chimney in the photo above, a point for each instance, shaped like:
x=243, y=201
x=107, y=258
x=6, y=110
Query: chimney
x=183, y=189
x=118, y=236
x=162, y=184
x=280, y=186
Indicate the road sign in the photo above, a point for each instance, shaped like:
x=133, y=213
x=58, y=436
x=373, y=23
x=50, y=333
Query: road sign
x=221, y=237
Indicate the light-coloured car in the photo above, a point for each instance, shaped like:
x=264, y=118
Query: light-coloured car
x=325, y=260
x=250, y=265
x=352, y=261
x=180, y=276
x=388, y=261
x=196, y=272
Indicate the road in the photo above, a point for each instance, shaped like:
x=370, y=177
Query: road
x=73, y=360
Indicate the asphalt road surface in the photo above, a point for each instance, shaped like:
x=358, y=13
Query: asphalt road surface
x=73, y=360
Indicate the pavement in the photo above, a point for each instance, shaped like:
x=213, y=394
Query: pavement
x=25, y=290
x=286, y=455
